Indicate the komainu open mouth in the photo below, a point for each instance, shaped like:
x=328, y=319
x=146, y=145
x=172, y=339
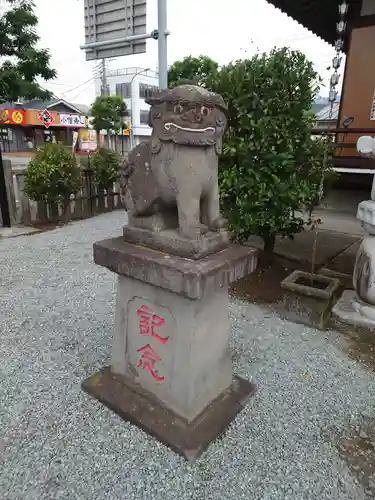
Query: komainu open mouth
x=168, y=126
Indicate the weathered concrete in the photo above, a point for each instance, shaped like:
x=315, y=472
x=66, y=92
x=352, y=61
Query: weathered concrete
x=342, y=266
x=354, y=316
x=192, y=279
x=191, y=344
x=187, y=439
x=172, y=334
x=171, y=241
x=12, y=232
x=307, y=302
x=329, y=245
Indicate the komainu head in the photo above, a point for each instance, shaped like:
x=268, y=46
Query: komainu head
x=188, y=115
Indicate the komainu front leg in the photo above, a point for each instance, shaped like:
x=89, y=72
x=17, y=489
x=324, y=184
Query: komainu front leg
x=211, y=210
x=188, y=207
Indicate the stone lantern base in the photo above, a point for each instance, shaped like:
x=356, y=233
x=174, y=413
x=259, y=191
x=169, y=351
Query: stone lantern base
x=350, y=313
x=357, y=308
x=171, y=371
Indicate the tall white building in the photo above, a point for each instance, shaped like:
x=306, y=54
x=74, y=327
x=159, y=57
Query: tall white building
x=134, y=85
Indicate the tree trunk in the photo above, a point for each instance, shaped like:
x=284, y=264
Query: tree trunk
x=269, y=243
x=269, y=246
x=66, y=210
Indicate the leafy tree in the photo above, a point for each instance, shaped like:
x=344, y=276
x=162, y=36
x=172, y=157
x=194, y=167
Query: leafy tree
x=108, y=114
x=22, y=62
x=52, y=176
x=268, y=149
x=106, y=166
x=199, y=70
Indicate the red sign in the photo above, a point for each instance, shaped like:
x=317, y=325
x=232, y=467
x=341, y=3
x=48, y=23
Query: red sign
x=148, y=323
x=12, y=116
x=46, y=118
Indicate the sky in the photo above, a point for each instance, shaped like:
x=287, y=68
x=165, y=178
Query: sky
x=223, y=30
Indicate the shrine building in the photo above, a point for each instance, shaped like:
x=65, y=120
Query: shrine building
x=349, y=25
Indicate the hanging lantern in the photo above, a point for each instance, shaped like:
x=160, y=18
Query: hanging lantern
x=336, y=62
x=332, y=96
x=335, y=79
x=343, y=8
x=341, y=27
x=339, y=44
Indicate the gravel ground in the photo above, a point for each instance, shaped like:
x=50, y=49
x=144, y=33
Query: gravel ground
x=57, y=311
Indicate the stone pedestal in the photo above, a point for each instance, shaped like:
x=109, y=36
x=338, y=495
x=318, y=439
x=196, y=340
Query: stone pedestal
x=358, y=308
x=171, y=370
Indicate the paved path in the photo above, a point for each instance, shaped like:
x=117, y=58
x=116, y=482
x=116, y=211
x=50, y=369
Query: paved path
x=57, y=312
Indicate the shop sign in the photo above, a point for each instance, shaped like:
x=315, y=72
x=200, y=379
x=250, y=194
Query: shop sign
x=12, y=116
x=72, y=120
x=88, y=140
x=46, y=118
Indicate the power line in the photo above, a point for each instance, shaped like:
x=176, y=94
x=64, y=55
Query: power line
x=58, y=84
x=78, y=86
x=79, y=93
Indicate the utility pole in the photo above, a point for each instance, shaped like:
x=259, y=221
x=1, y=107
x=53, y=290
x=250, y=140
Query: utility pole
x=104, y=89
x=162, y=44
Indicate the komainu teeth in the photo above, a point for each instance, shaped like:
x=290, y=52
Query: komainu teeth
x=169, y=125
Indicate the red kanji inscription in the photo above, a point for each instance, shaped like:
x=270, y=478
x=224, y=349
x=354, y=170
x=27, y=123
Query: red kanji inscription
x=149, y=322
x=148, y=361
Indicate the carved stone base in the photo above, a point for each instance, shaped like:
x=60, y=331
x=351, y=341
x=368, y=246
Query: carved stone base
x=189, y=440
x=170, y=241
x=171, y=340
x=350, y=313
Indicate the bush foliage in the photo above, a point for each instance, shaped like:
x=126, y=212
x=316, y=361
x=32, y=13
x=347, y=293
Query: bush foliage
x=106, y=166
x=52, y=175
x=271, y=166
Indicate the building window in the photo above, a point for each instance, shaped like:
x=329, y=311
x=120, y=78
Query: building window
x=123, y=90
x=146, y=91
x=143, y=118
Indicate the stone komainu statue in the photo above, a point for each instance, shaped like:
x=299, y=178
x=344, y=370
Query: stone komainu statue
x=171, y=182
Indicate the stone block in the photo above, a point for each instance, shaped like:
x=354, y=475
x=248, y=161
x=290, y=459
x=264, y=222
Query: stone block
x=188, y=338
x=189, y=440
x=172, y=242
x=182, y=276
x=308, y=298
x=352, y=316
x=171, y=340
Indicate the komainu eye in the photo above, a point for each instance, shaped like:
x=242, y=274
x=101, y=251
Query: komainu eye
x=178, y=109
x=205, y=111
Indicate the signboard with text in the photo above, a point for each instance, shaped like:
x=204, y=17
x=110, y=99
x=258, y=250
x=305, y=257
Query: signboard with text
x=45, y=118
x=72, y=120
x=87, y=140
x=107, y=20
x=12, y=116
